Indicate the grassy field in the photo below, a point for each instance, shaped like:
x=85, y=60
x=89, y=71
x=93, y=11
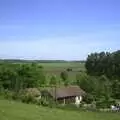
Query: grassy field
x=19, y=111
x=57, y=68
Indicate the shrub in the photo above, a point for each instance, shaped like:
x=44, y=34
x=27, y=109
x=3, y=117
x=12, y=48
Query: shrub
x=7, y=94
x=44, y=102
x=1, y=90
x=10, y=95
x=105, y=103
x=69, y=69
x=89, y=98
x=26, y=98
x=29, y=95
x=41, y=67
x=15, y=95
x=64, y=75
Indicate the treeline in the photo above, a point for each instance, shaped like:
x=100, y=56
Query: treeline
x=104, y=63
x=104, y=69
x=15, y=77
x=36, y=61
x=20, y=76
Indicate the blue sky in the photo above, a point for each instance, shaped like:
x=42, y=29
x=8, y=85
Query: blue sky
x=58, y=29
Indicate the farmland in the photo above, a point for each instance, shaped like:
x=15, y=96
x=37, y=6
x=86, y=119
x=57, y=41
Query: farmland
x=57, y=68
x=19, y=111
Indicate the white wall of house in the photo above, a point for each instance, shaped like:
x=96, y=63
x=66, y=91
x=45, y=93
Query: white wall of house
x=78, y=100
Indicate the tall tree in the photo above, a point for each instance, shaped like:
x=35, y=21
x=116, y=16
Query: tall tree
x=104, y=64
x=53, y=80
x=64, y=77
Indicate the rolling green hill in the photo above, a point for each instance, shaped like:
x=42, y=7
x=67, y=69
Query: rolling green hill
x=19, y=111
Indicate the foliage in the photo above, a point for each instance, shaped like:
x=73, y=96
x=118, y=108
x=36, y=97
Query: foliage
x=69, y=69
x=10, y=95
x=64, y=77
x=29, y=95
x=53, y=80
x=116, y=89
x=44, y=102
x=95, y=87
x=104, y=63
x=20, y=76
x=89, y=98
x=87, y=83
x=103, y=103
x=66, y=83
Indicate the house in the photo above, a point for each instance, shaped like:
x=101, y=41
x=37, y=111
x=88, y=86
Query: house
x=65, y=94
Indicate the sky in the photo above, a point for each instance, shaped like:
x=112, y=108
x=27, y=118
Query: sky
x=58, y=29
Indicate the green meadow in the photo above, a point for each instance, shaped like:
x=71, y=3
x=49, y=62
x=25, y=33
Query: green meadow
x=10, y=110
x=57, y=68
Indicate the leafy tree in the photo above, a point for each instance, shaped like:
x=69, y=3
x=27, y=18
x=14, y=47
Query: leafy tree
x=78, y=78
x=116, y=89
x=69, y=69
x=66, y=83
x=103, y=88
x=88, y=84
x=64, y=77
x=53, y=80
x=19, y=76
x=104, y=64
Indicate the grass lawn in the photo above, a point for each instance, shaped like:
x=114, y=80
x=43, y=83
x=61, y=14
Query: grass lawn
x=19, y=111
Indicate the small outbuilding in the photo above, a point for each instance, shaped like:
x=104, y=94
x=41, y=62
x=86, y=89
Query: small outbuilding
x=65, y=94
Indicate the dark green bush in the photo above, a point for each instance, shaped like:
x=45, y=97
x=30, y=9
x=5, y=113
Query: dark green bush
x=44, y=102
x=89, y=99
x=15, y=95
x=8, y=94
x=69, y=69
x=105, y=103
x=26, y=98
